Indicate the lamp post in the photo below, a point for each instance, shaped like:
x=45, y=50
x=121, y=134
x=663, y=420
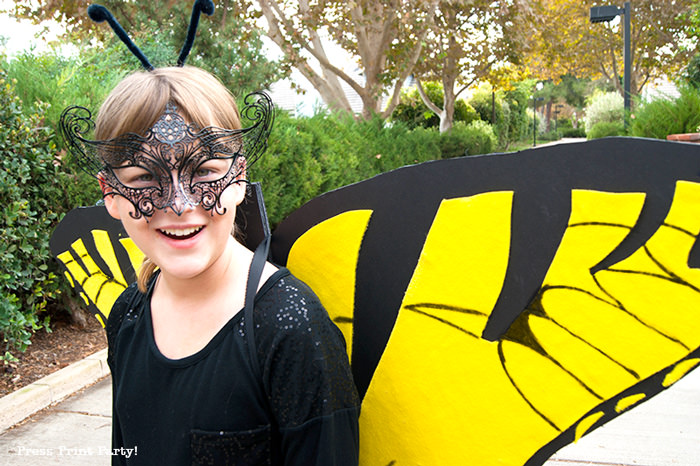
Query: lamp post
x=600, y=14
x=538, y=87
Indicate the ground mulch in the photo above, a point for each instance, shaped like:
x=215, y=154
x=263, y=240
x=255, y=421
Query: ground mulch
x=68, y=342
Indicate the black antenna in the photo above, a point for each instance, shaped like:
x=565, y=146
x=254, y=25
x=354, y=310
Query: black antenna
x=200, y=6
x=98, y=13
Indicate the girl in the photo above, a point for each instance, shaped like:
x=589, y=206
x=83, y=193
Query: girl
x=196, y=379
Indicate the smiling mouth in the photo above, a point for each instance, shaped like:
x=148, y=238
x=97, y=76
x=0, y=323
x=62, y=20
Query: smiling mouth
x=181, y=233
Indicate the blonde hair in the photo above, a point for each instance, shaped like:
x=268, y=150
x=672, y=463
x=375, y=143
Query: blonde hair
x=139, y=100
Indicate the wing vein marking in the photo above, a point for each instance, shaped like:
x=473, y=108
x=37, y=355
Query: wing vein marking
x=414, y=308
x=502, y=357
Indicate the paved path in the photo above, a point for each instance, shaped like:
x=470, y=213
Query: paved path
x=76, y=431
x=664, y=431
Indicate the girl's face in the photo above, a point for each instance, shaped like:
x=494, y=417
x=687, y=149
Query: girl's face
x=174, y=166
x=184, y=245
x=176, y=194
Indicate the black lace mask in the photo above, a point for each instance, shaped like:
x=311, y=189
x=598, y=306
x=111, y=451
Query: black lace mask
x=174, y=165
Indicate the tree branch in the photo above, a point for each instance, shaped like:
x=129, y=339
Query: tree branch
x=426, y=100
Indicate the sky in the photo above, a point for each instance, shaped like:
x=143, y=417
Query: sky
x=21, y=35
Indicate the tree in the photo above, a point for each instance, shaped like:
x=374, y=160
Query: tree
x=385, y=37
x=691, y=73
x=225, y=45
x=561, y=40
x=413, y=111
x=467, y=42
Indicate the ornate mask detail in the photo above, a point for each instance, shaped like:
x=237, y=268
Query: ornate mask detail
x=175, y=164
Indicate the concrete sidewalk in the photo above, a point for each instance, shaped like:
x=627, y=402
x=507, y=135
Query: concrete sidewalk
x=664, y=431
x=77, y=431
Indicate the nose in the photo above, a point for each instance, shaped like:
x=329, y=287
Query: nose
x=180, y=201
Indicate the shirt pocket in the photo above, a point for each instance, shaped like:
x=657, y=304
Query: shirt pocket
x=242, y=448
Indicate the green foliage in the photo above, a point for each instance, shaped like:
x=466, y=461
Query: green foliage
x=604, y=107
x=510, y=110
x=47, y=83
x=691, y=73
x=62, y=81
x=604, y=129
x=29, y=183
x=412, y=111
x=662, y=116
x=309, y=156
x=475, y=138
x=573, y=132
x=518, y=123
x=573, y=90
x=486, y=107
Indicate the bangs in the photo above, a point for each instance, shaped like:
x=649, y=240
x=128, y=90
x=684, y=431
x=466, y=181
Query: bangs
x=139, y=100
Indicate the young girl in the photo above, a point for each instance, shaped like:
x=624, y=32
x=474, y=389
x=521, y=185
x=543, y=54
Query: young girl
x=189, y=387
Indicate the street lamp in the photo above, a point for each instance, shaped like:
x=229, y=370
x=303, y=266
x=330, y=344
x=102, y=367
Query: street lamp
x=538, y=87
x=601, y=14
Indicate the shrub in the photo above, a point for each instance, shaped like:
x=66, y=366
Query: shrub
x=573, y=133
x=511, y=112
x=604, y=107
x=606, y=128
x=29, y=182
x=662, y=116
x=289, y=173
x=311, y=155
x=475, y=138
x=62, y=81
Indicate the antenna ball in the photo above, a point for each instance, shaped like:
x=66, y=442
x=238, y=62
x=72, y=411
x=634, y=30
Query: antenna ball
x=98, y=13
x=206, y=6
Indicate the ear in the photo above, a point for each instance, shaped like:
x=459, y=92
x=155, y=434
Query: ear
x=109, y=198
x=239, y=190
x=111, y=202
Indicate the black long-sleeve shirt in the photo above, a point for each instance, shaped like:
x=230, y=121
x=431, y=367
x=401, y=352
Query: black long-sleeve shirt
x=210, y=408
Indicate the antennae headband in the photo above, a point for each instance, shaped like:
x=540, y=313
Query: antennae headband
x=200, y=6
x=99, y=14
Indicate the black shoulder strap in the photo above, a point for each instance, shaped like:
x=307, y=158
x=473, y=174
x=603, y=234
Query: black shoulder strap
x=256, y=268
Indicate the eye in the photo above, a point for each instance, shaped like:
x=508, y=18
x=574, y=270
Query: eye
x=136, y=177
x=202, y=172
x=212, y=170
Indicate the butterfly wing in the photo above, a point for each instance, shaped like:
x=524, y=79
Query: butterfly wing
x=98, y=257
x=499, y=307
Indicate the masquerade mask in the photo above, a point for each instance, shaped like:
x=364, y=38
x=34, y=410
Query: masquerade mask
x=174, y=164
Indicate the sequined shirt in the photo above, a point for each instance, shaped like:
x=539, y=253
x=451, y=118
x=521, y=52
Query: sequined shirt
x=210, y=409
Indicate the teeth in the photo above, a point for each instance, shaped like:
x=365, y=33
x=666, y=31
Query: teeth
x=181, y=232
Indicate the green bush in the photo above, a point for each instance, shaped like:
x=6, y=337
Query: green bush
x=510, y=109
x=289, y=173
x=62, y=81
x=475, y=138
x=662, y=116
x=604, y=107
x=29, y=182
x=573, y=132
x=604, y=129
x=308, y=156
